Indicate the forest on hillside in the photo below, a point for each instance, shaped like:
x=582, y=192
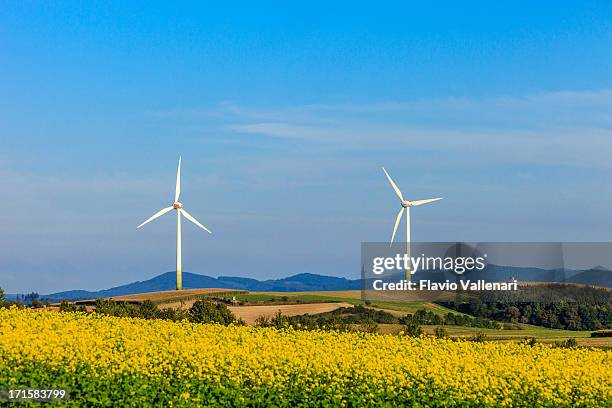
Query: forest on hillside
x=557, y=306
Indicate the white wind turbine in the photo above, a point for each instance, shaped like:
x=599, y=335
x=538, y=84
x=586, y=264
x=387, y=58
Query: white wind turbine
x=405, y=207
x=179, y=211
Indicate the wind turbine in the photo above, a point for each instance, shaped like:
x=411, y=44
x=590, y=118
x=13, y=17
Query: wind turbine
x=405, y=207
x=179, y=211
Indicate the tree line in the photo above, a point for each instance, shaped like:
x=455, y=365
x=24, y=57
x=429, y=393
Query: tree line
x=555, y=306
x=346, y=318
x=202, y=311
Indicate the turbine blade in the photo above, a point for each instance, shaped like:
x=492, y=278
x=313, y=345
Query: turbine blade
x=196, y=222
x=178, y=182
x=395, y=188
x=156, y=215
x=397, y=221
x=421, y=202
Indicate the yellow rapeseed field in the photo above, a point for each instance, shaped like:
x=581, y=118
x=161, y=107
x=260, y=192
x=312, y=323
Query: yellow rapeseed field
x=204, y=364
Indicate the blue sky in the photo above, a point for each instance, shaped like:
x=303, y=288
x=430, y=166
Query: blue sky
x=283, y=115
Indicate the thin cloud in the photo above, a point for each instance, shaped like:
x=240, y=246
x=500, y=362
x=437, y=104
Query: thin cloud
x=592, y=109
x=286, y=130
x=556, y=128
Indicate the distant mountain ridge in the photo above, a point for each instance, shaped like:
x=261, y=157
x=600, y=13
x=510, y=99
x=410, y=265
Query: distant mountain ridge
x=306, y=282
x=297, y=283
x=596, y=276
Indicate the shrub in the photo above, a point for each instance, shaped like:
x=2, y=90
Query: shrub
x=280, y=321
x=440, y=332
x=529, y=341
x=172, y=314
x=569, y=343
x=367, y=327
x=412, y=329
x=148, y=310
x=112, y=308
x=479, y=337
x=205, y=311
x=66, y=306
x=262, y=321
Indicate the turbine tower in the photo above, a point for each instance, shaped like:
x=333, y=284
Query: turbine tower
x=405, y=207
x=180, y=211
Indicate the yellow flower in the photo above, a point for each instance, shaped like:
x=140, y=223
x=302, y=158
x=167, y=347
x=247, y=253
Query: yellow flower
x=339, y=363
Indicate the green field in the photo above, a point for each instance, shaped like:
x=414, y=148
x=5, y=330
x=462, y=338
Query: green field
x=541, y=334
x=349, y=296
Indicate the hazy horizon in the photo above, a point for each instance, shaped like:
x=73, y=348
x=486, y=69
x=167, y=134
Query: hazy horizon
x=283, y=118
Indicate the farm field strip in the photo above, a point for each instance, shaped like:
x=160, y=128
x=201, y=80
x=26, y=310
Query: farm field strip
x=541, y=334
x=250, y=313
x=177, y=295
x=349, y=296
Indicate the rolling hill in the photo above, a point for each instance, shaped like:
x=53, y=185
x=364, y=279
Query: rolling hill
x=166, y=281
x=308, y=282
x=599, y=275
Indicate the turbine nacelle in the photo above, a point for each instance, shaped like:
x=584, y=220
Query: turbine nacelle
x=177, y=205
x=406, y=204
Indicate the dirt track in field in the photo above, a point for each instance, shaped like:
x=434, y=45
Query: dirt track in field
x=176, y=295
x=250, y=313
